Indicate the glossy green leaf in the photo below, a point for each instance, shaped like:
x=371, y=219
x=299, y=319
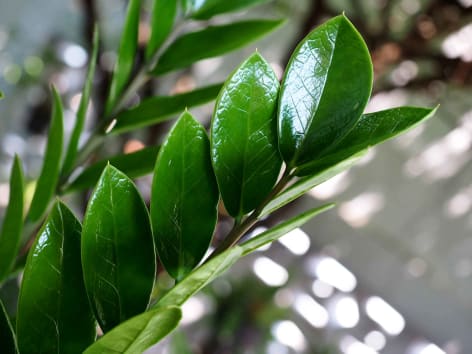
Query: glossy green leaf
x=12, y=227
x=211, y=42
x=162, y=20
x=304, y=184
x=117, y=250
x=82, y=111
x=199, y=278
x=206, y=9
x=282, y=229
x=7, y=334
x=244, y=148
x=370, y=130
x=135, y=164
x=138, y=333
x=126, y=52
x=48, y=178
x=324, y=91
x=184, y=198
x=162, y=108
x=53, y=310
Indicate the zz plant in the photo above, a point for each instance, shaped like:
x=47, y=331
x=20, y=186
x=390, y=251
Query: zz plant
x=269, y=143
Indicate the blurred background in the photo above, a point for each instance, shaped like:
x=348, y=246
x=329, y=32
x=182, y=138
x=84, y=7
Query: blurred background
x=389, y=270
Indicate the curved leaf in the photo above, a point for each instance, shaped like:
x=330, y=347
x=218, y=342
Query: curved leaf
x=53, y=309
x=211, y=42
x=203, y=10
x=324, y=91
x=138, y=333
x=12, y=227
x=184, y=198
x=244, y=136
x=117, y=250
x=7, y=335
x=49, y=176
x=161, y=108
x=126, y=52
x=162, y=20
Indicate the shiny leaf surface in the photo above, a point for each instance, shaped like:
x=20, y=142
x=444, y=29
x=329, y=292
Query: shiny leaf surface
x=162, y=19
x=184, y=198
x=7, y=334
x=324, y=91
x=138, y=333
x=53, y=310
x=117, y=250
x=211, y=42
x=49, y=175
x=244, y=136
x=12, y=227
x=135, y=164
x=206, y=9
x=126, y=52
x=161, y=108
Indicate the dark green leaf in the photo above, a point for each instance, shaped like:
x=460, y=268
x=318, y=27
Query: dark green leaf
x=306, y=183
x=200, y=278
x=138, y=333
x=324, y=91
x=161, y=108
x=12, y=227
x=211, y=42
x=371, y=129
x=203, y=10
x=48, y=178
x=135, y=164
x=184, y=198
x=82, y=111
x=162, y=20
x=53, y=310
x=126, y=52
x=244, y=136
x=117, y=250
x=282, y=229
x=7, y=335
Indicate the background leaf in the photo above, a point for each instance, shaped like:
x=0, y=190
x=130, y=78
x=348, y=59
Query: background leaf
x=161, y=108
x=7, y=335
x=138, y=333
x=12, y=227
x=184, y=198
x=53, y=309
x=49, y=176
x=206, y=9
x=117, y=250
x=244, y=148
x=324, y=91
x=211, y=42
x=126, y=52
x=162, y=21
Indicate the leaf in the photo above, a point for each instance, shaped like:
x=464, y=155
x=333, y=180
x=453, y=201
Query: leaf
x=12, y=227
x=282, y=229
x=49, y=176
x=135, y=164
x=370, y=130
x=184, y=198
x=53, y=309
x=244, y=148
x=306, y=183
x=117, y=250
x=126, y=52
x=7, y=335
x=161, y=108
x=324, y=91
x=82, y=111
x=162, y=20
x=211, y=42
x=1, y=95
x=203, y=10
x=199, y=278
x=138, y=333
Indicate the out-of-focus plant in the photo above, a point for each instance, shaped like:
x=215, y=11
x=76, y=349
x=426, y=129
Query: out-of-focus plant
x=269, y=143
